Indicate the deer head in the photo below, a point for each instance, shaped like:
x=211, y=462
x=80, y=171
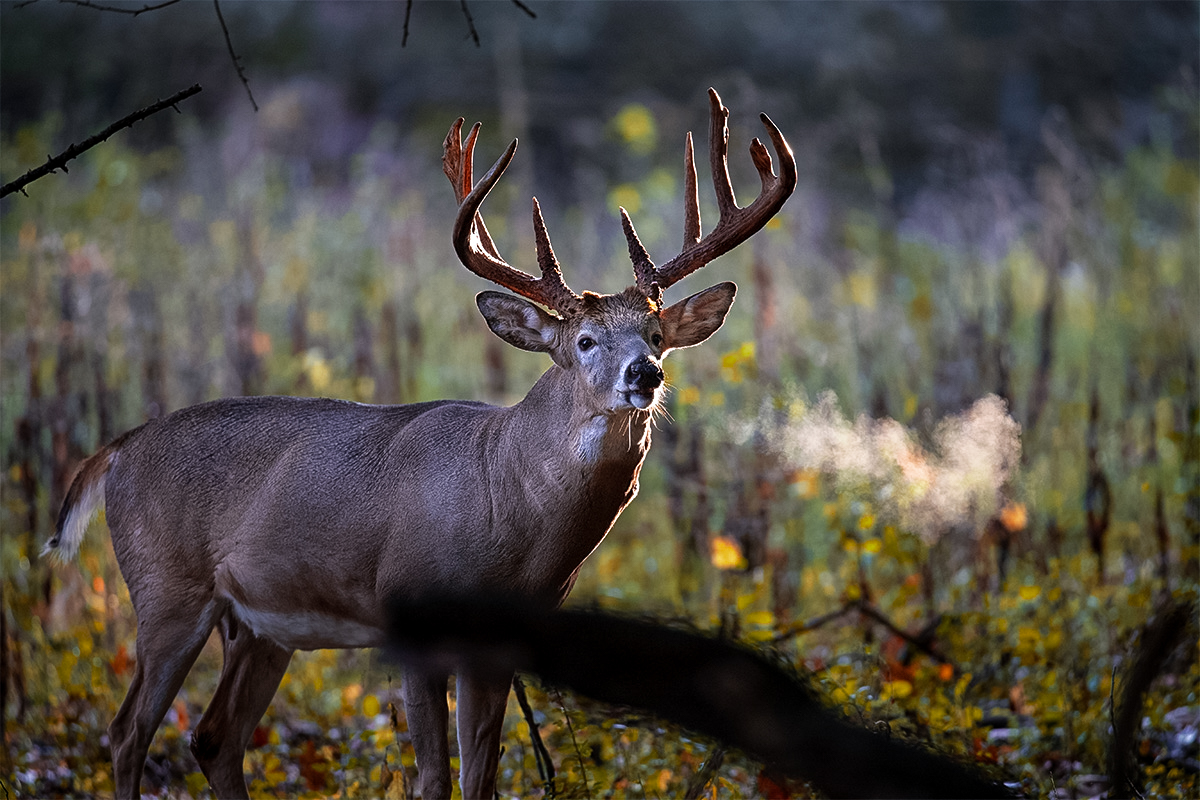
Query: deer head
x=615, y=343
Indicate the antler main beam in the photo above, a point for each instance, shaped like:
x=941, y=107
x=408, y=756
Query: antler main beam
x=474, y=244
x=736, y=224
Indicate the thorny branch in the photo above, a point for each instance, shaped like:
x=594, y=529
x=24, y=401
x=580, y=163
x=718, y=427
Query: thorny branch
x=59, y=161
x=133, y=12
x=237, y=61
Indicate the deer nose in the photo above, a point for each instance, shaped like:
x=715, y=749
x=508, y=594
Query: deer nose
x=644, y=374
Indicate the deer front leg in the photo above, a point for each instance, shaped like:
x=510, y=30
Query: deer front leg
x=481, y=704
x=428, y=723
x=250, y=674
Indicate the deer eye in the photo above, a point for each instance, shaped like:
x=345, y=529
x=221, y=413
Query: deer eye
x=586, y=343
x=656, y=340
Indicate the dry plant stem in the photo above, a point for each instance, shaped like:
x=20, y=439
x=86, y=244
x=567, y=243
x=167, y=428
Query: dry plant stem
x=708, y=770
x=237, y=61
x=60, y=161
x=407, y=15
x=587, y=786
x=541, y=754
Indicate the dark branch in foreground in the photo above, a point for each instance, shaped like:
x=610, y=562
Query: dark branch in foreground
x=60, y=161
x=711, y=686
x=237, y=61
x=1159, y=639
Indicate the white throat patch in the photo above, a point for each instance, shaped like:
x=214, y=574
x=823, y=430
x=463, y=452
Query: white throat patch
x=590, y=444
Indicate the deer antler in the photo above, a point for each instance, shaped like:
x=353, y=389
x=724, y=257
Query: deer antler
x=736, y=224
x=474, y=245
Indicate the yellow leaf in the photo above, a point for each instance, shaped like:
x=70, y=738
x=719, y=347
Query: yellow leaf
x=872, y=546
x=725, y=553
x=760, y=618
x=1028, y=593
x=370, y=705
x=896, y=689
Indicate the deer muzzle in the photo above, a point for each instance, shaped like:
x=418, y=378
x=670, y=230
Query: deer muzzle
x=642, y=379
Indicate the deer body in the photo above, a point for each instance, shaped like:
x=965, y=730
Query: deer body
x=285, y=523
x=297, y=478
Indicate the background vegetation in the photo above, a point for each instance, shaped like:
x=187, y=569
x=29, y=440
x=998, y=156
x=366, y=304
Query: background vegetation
x=944, y=456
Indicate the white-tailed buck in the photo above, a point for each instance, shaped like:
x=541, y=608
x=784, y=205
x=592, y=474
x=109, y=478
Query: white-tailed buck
x=285, y=522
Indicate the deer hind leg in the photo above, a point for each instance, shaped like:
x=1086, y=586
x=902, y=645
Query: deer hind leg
x=481, y=704
x=169, y=637
x=428, y=722
x=250, y=674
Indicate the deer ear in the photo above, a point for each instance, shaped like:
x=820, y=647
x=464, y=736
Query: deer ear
x=693, y=319
x=518, y=322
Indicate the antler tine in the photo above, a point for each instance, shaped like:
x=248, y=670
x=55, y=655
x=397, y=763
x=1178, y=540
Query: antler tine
x=691, y=197
x=643, y=267
x=736, y=224
x=474, y=245
x=558, y=295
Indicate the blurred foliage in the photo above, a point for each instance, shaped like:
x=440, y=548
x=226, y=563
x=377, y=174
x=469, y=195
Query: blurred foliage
x=305, y=250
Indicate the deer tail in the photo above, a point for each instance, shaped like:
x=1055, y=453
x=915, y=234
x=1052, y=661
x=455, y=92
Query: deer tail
x=84, y=501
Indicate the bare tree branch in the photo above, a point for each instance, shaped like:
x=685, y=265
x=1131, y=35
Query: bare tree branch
x=59, y=161
x=237, y=61
x=474, y=34
x=868, y=610
x=525, y=8
x=470, y=22
x=133, y=12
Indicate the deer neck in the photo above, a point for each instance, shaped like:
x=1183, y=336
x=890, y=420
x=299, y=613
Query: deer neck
x=589, y=453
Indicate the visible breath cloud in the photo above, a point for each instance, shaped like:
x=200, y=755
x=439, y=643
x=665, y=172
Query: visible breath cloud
x=956, y=481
